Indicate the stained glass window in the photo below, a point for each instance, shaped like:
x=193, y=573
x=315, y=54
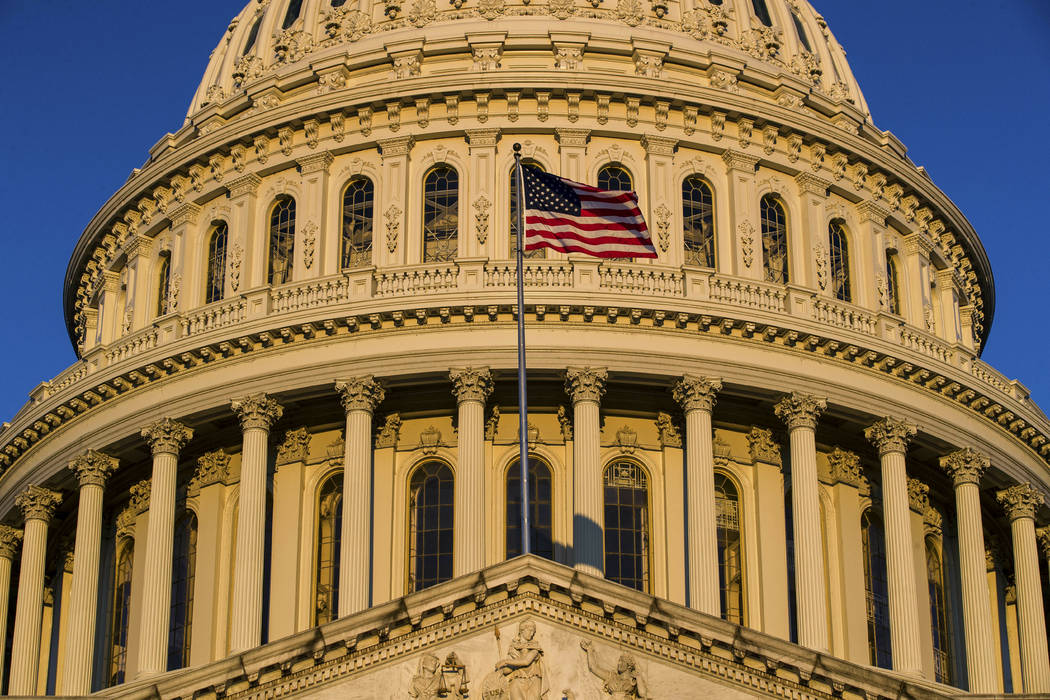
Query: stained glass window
x=541, y=540
x=441, y=214
x=698, y=221
x=358, y=204
x=430, y=507
x=626, y=491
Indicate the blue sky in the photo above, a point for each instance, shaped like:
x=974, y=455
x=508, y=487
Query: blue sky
x=89, y=87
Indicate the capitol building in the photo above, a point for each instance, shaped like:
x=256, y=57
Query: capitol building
x=768, y=463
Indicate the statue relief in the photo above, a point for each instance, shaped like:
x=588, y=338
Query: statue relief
x=623, y=682
x=521, y=674
x=434, y=680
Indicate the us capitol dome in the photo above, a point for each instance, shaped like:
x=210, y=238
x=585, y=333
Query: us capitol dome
x=768, y=463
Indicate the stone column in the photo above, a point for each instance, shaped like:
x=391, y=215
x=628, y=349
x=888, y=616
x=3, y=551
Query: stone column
x=586, y=386
x=257, y=414
x=471, y=387
x=697, y=398
x=79, y=610
x=38, y=506
x=166, y=439
x=965, y=467
x=360, y=396
x=10, y=538
x=800, y=412
x=891, y=438
x=1020, y=503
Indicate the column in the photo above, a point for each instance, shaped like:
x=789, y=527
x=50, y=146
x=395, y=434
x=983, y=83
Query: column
x=586, y=386
x=891, y=438
x=38, y=506
x=360, y=396
x=1020, y=503
x=697, y=398
x=471, y=387
x=965, y=467
x=10, y=538
x=800, y=413
x=166, y=439
x=79, y=610
x=257, y=414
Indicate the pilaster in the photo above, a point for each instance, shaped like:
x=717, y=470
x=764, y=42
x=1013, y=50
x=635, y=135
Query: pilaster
x=314, y=256
x=744, y=230
x=389, y=247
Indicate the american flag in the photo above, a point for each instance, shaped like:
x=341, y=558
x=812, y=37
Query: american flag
x=573, y=218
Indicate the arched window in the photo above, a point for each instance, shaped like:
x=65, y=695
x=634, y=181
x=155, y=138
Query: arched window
x=440, y=214
x=942, y=659
x=358, y=204
x=294, y=8
x=216, y=275
x=615, y=177
x=893, y=285
x=430, y=506
x=698, y=220
x=253, y=35
x=539, y=252
x=329, y=531
x=730, y=549
x=118, y=651
x=183, y=573
x=163, y=282
x=839, y=260
x=801, y=31
x=873, y=544
x=774, y=240
x=762, y=12
x=282, y=240
x=541, y=534
x=626, y=491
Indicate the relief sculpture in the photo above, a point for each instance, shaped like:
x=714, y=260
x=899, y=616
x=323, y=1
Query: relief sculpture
x=621, y=683
x=521, y=674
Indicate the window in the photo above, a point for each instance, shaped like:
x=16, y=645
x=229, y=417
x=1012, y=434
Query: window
x=774, y=240
x=358, y=204
x=762, y=12
x=430, y=507
x=801, y=31
x=282, y=240
x=839, y=254
x=539, y=252
x=730, y=549
x=942, y=659
x=541, y=540
x=253, y=34
x=627, y=524
x=163, y=282
x=615, y=177
x=893, y=285
x=873, y=544
x=216, y=275
x=440, y=214
x=183, y=570
x=698, y=220
x=118, y=653
x=294, y=8
x=329, y=535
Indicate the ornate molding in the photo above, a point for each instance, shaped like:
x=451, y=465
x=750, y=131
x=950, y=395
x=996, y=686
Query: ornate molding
x=212, y=468
x=362, y=393
x=763, y=448
x=471, y=383
x=965, y=466
x=1020, y=501
x=918, y=496
x=890, y=435
x=696, y=393
x=565, y=421
x=166, y=436
x=294, y=447
x=10, y=539
x=257, y=411
x=389, y=432
x=670, y=436
x=1043, y=537
x=800, y=410
x=93, y=468
x=586, y=383
x=38, y=502
x=845, y=468
x=140, y=495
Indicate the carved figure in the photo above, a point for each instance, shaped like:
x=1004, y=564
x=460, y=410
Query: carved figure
x=521, y=674
x=621, y=683
x=426, y=684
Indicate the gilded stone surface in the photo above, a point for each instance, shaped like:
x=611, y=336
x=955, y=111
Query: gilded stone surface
x=586, y=383
x=965, y=466
x=360, y=393
x=890, y=435
x=38, y=502
x=471, y=383
x=167, y=435
x=93, y=468
x=695, y=393
x=258, y=411
x=800, y=410
x=1020, y=501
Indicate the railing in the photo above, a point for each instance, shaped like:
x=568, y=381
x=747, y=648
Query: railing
x=136, y=344
x=755, y=295
x=984, y=372
x=641, y=280
x=215, y=316
x=309, y=295
x=927, y=345
x=417, y=280
x=844, y=316
x=536, y=274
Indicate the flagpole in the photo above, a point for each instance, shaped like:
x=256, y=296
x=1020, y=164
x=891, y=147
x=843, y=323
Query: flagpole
x=523, y=404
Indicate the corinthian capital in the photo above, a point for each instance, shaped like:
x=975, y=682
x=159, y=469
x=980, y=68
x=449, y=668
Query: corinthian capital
x=471, y=383
x=696, y=393
x=257, y=411
x=800, y=410
x=93, y=468
x=1019, y=501
x=38, y=502
x=889, y=435
x=360, y=393
x=586, y=383
x=965, y=466
x=10, y=538
x=167, y=435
